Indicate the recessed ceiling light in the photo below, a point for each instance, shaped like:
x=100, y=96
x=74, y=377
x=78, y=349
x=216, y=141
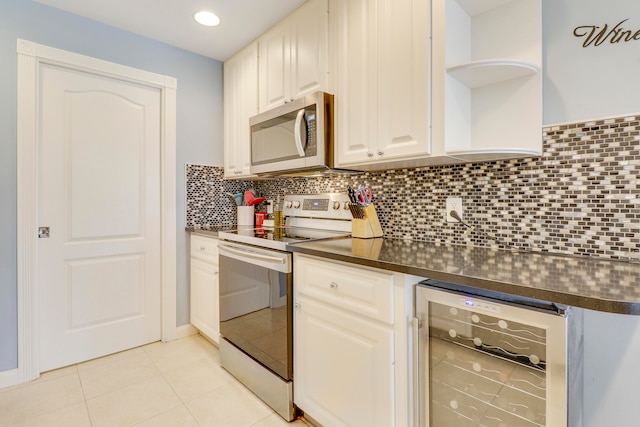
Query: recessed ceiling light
x=206, y=18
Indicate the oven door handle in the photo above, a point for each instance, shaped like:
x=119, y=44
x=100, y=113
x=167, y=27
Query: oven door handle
x=251, y=254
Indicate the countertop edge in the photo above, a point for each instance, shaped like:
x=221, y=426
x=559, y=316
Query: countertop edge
x=580, y=301
x=209, y=231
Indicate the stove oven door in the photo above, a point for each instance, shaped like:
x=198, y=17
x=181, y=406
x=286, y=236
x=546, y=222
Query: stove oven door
x=256, y=304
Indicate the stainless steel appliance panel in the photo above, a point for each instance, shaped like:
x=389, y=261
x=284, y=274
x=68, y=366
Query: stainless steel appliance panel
x=296, y=136
x=486, y=362
x=297, y=128
x=256, y=304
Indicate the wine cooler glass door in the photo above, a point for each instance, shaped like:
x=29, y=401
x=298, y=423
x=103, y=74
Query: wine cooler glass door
x=485, y=362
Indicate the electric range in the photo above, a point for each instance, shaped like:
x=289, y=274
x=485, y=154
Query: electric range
x=307, y=217
x=256, y=294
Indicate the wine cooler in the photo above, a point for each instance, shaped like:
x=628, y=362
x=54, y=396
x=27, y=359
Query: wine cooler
x=485, y=359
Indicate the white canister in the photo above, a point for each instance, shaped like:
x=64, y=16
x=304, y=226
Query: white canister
x=245, y=215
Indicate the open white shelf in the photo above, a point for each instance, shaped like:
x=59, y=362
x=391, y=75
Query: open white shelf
x=487, y=155
x=490, y=71
x=487, y=78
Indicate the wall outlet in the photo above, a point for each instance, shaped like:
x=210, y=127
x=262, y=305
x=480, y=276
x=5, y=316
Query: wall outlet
x=453, y=204
x=269, y=207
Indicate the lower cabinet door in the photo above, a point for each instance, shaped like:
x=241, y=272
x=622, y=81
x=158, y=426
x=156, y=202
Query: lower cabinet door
x=343, y=367
x=204, y=298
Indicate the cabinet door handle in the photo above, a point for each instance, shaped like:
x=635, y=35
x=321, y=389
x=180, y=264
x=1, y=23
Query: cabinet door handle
x=333, y=285
x=202, y=248
x=297, y=305
x=380, y=152
x=369, y=154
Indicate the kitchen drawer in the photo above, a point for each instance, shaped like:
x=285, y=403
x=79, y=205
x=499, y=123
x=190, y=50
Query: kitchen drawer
x=204, y=248
x=361, y=290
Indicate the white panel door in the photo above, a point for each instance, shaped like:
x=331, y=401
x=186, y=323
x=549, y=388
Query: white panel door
x=99, y=192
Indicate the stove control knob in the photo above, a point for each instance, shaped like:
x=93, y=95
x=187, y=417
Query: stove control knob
x=336, y=205
x=346, y=206
x=296, y=204
x=288, y=204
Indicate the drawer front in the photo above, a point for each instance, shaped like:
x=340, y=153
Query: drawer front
x=204, y=248
x=360, y=290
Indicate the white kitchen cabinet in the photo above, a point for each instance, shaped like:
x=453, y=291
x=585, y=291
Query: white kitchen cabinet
x=382, y=103
x=240, y=103
x=344, y=367
x=487, y=78
x=204, y=286
x=293, y=58
x=351, y=348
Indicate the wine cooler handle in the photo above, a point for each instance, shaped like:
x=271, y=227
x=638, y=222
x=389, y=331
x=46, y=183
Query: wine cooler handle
x=416, y=372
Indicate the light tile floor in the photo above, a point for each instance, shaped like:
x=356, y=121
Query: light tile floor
x=177, y=384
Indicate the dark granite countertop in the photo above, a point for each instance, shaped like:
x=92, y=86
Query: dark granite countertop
x=211, y=230
x=603, y=285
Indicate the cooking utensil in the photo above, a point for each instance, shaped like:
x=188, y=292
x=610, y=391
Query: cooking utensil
x=236, y=199
x=256, y=201
x=364, y=195
x=248, y=197
x=230, y=196
x=352, y=194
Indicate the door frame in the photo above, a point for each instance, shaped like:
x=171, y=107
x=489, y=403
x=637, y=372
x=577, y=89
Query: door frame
x=31, y=57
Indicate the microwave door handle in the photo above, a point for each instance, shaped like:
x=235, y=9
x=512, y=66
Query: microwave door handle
x=297, y=134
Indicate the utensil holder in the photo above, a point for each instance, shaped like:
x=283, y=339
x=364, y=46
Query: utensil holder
x=367, y=227
x=245, y=215
x=367, y=248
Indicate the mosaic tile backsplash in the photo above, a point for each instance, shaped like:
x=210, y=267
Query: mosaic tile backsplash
x=207, y=203
x=579, y=198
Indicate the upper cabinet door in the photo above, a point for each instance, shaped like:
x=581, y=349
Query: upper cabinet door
x=240, y=103
x=275, y=65
x=309, y=48
x=294, y=56
x=382, y=90
x=403, y=79
x=355, y=104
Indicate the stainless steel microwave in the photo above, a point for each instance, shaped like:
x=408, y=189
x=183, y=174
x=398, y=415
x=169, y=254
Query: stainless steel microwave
x=296, y=137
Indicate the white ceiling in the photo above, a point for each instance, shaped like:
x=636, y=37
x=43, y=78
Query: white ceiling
x=171, y=21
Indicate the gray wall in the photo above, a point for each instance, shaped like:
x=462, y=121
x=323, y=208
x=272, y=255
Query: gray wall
x=584, y=83
x=199, y=124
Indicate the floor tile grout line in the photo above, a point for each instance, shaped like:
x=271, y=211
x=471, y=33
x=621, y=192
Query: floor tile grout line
x=209, y=356
x=127, y=383
x=183, y=402
x=84, y=395
x=39, y=382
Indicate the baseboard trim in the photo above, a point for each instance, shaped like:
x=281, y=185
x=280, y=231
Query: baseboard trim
x=185, y=331
x=10, y=378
